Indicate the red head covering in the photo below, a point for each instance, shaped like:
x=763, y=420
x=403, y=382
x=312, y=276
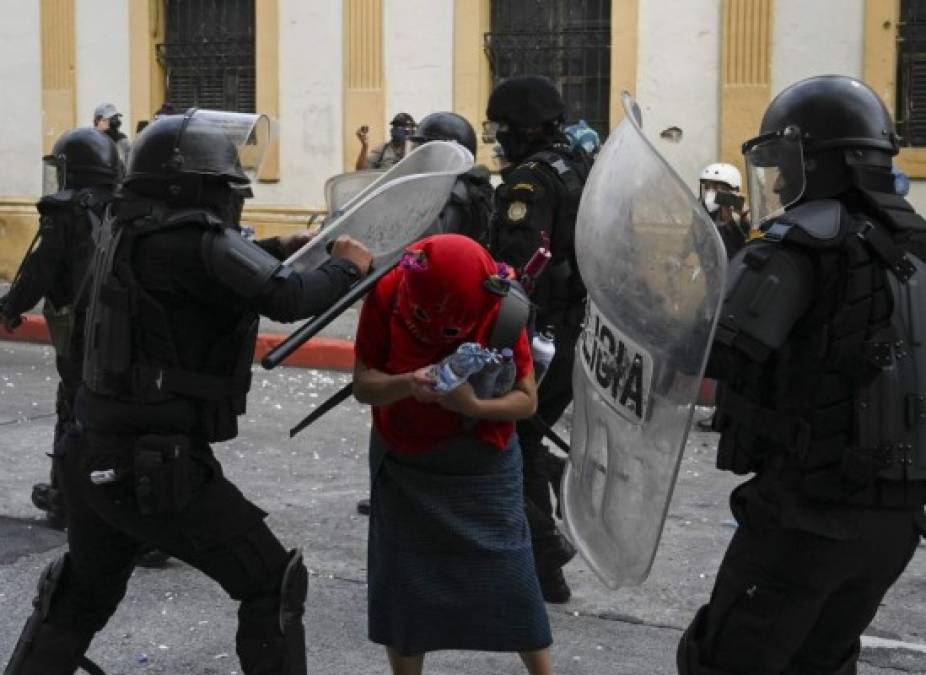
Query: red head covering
x=442, y=295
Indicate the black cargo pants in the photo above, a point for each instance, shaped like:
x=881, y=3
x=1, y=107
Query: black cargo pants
x=219, y=532
x=790, y=601
x=553, y=397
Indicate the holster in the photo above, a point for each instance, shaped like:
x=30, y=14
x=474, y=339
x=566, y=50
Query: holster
x=162, y=469
x=60, y=323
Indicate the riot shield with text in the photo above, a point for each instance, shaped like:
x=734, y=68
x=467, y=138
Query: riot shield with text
x=654, y=267
x=397, y=208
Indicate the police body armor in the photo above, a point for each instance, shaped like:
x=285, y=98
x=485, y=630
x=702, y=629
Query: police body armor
x=826, y=310
x=66, y=299
x=564, y=173
x=130, y=351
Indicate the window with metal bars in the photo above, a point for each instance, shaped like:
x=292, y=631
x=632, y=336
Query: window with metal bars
x=911, y=73
x=208, y=54
x=568, y=41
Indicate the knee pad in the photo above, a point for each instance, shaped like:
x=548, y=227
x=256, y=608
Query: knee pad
x=293, y=591
x=270, y=636
x=45, y=648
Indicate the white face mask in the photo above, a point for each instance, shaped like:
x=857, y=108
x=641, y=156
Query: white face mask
x=709, y=200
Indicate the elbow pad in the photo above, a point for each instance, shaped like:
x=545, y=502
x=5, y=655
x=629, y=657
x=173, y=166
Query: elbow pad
x=239, y=263
x=769, y=288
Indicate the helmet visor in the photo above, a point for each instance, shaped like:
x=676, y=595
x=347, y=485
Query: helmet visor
x=490, y=131
x=53, y=175
x=775, y=173
x=251, y=134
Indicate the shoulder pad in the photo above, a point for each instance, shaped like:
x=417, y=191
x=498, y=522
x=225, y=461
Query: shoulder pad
x=562, y=165
x=523, y=185
x=822, y=223
x=769, y=287
x=238, y=263
x=62, y=198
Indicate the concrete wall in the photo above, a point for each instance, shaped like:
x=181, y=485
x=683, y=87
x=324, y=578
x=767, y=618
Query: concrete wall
x=822, y=37
x=21, y=110
x=418, y=49
x=102, y=51
x=311, y=102
x=678, y=79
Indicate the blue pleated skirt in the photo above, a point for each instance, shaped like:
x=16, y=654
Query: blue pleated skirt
x=449, y=558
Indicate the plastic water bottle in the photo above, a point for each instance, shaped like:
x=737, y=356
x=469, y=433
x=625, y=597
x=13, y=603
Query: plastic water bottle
x=543, y=349
x=507, y=372
x=483, y=382
x=455, y=369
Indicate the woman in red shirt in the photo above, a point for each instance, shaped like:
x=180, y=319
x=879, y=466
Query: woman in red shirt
x=450, y=563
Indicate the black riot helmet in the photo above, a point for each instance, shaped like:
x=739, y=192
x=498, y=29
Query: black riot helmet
x=174, y=153
x=446, y=126
x=819, y=138
x=525, y=114
x=80, y=158
x=525, y=101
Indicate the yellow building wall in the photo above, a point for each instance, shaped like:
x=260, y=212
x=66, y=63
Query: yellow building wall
x=745, y=81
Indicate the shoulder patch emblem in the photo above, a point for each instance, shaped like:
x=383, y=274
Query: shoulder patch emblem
x=524, y=186
x=517, y=211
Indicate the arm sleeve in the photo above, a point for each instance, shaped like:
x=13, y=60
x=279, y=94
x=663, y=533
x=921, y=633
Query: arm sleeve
x=291, y=295
x=39, y=268
x=277, y=291
x=525, y=210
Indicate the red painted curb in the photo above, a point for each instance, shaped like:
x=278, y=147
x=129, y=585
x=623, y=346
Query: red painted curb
x=320, y=352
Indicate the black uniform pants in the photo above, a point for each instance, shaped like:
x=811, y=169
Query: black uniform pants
x=219, y=532
x=789, y=601
x=554, y=396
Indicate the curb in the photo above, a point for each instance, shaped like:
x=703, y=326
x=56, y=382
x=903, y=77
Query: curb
x=320, y=352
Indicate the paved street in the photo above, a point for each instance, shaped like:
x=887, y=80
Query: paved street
x=176, y=621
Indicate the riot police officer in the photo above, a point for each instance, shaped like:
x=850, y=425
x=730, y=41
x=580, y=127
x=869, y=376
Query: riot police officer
x=170, y=335
x=821, y=391
x=469, y=207
x=538, y=203
x=80, y=176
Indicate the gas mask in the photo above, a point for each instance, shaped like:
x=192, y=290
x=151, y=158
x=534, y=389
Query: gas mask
x=399, y=134
x=709, y=199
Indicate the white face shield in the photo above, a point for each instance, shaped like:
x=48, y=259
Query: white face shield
x=251, y=134
x=775, y=172
x=53, y=174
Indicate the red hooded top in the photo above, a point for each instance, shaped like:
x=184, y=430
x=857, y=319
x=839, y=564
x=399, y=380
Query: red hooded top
x=433, y=302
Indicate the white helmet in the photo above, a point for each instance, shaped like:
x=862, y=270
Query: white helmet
x=723, y=173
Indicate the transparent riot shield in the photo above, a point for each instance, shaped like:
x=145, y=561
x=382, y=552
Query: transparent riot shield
x=655, y=267
x=252, y=135
x=342, y=188
x=397, y=208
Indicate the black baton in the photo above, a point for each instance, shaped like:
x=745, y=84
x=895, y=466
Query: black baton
x=341, y=395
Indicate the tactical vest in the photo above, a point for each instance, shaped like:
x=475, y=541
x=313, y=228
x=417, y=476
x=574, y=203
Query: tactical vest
x=843, y=404
x=564, y=173
x=130, y=352
x=65, y=302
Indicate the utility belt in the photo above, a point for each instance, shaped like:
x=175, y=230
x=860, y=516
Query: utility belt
x=158, y=469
